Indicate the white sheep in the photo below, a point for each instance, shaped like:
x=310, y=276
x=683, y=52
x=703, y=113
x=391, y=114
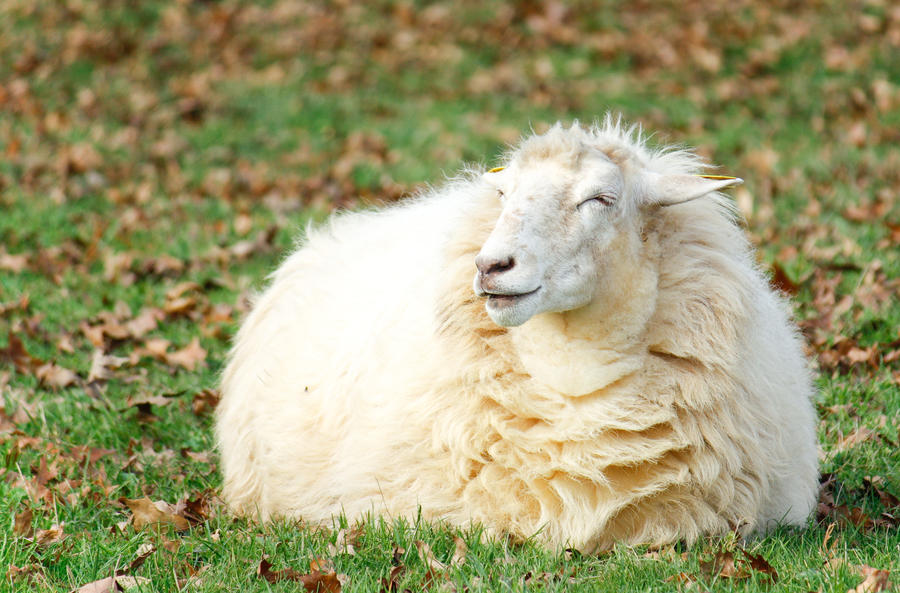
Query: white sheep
x=622, y=371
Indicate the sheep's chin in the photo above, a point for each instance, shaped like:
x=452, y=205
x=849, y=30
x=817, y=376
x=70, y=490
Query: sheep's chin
x=512, y=311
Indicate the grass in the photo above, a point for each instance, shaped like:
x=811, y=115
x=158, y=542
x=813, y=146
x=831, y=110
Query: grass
x=147, y=147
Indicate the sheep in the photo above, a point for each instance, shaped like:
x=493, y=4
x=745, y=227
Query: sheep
x=621, y=372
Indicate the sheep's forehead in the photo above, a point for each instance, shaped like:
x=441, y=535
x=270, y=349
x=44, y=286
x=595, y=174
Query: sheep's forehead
x=570, y=145
x=558, y=174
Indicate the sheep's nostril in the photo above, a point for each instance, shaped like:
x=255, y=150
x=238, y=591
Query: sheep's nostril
x=490, y=266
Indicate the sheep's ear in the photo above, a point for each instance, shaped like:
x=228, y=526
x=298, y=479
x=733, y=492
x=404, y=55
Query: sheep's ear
x=668, y=190
x=494, y=175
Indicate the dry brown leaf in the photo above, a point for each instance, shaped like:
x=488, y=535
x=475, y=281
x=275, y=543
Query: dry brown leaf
x=146, y=321
x=346, y=541
x=19, y=305
x=460, y=551
x=723, y=565
x=427, y=556
x=390, y=584
x=90, y=455
x=860, y=435
x=205, y=401
x=155, y=347
x=321, y=565
x=102, y=365
x=16, y=354
x=147, y=399
x=146, y=512
x=180, y=306
x=188, y=357
x=781, y=281
x=22, y=524
x=201, y=456
x=874, y=580
x=726, y=565
x=876, y=484
x=55, y=376
x=198, y=509
x=113, y=584
x=178, y=291
x=682, y=577
x=315, y=581
x=29, y=573
x=760, y=564
x=140, y=556
x=13, y=263
x=45, y=537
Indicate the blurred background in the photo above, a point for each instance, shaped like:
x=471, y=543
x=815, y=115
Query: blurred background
x=124, y=123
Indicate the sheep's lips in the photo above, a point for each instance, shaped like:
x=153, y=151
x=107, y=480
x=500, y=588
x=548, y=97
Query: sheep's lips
x=503, y=301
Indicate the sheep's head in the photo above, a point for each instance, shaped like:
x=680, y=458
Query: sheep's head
x=566, y=196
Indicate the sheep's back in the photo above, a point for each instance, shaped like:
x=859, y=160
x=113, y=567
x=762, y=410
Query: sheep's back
x=339, y=342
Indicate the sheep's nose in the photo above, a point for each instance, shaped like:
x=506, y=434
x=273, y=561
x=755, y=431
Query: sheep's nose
x=489, y=266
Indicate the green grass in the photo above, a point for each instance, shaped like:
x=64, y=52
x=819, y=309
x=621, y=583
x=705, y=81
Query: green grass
x=212, y=122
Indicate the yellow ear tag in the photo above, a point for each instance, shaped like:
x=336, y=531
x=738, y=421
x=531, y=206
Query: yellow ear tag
x=717, y=177
x=496, y=169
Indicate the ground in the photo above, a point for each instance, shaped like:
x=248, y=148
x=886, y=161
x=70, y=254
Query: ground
x=158, y=158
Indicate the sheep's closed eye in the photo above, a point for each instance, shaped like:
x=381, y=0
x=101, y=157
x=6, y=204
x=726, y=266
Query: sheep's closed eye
x=598, y=199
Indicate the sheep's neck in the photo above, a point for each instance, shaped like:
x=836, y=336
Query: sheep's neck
x=580, y=351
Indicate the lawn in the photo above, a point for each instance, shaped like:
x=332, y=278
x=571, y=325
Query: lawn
x=157, y=160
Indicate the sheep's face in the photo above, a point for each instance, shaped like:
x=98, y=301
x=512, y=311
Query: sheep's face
x=557, y=218
x=564, y=202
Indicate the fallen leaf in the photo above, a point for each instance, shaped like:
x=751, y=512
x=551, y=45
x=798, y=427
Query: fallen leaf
x=760, y=564
x=13, y=263
x=874, y=580
x=140, y=556
x=345, y=541
x=723, y=565
x=205, y=401
x=315, y=581
x=29, y=572
x=427, y=556
x=860, y=435
x=102, y=365
x=16, y=353
x=22, y=524
x=264, y=571
x=146, y=321
x=146, y=512
x=390, y=584
x=19, y=305
x=178, y=291
x=148, y=399
x=188, y=357
x=155, y=347
x=781, y=281
x=682, y=577
x=85, y=454
x=55, y=376
x=321, y=565
x=876, y=483
x=45, y=537
x=198, y=509
x=180, y=306
x=113, y=584
x=460, y=551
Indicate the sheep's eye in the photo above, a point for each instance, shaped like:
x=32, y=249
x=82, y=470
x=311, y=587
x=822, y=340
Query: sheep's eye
x=600, y=199
x=500, y=194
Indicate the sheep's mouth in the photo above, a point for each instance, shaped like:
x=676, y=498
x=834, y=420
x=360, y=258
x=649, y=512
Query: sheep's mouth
x=505, y=300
